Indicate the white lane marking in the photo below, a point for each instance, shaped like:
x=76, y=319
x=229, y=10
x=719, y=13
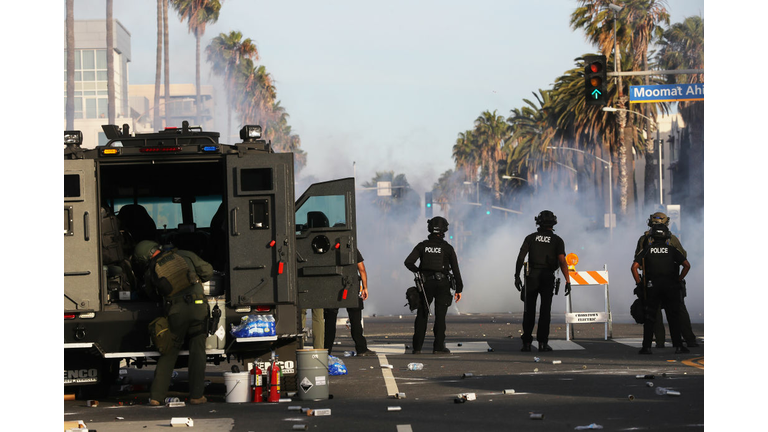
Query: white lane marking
x=389, y=379
x=404, y=428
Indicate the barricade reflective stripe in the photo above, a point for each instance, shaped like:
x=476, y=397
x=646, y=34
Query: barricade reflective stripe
x=588, y=277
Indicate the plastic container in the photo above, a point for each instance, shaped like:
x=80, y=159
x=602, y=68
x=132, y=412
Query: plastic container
x=415, y=366
x=237, y=387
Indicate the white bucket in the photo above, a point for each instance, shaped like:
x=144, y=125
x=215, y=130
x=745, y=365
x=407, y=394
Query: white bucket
x=237, y=387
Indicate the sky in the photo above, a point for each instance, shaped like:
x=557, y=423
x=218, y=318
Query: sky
x=380, y=86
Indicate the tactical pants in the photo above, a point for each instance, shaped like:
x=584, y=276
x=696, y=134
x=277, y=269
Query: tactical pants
x=318, y=327
x=540, y=282
x=440, y=292
x=668, y=298
x=355, y=324
x=185, y=320
x=686, y=329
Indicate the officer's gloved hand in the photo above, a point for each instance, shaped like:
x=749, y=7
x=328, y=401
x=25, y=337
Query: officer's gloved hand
x=518, y=283
x=638, y=289
x=567, y=288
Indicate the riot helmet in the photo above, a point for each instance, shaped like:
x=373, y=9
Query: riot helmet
x=437, y=225
x=546, y=219
x=660, y=232
x=658, y=218
x=145, y=250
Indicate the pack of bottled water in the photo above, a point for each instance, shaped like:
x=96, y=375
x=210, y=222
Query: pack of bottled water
x=254, y=326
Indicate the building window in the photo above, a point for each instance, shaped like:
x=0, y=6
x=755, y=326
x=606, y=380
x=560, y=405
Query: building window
x=90, y=83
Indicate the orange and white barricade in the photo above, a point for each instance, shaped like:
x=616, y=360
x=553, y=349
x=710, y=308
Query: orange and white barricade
x=587, y=278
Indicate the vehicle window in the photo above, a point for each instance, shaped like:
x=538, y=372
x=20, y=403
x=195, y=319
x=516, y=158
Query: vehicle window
x=165, y=212
x=162, y=210
x=322, y=211
x=204, y=209
x=71, y=185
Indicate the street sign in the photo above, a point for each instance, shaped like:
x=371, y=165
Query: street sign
x=384, y=188
x=666, y=93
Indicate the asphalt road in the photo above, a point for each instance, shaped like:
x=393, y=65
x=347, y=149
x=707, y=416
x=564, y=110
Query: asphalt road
x=588, y=382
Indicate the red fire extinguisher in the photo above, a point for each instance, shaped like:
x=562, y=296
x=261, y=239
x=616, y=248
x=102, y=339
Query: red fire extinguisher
x=274, y=381
x=257, y=383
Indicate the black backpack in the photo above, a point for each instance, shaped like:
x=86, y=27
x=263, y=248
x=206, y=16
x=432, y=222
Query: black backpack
x=111, y=239
x=413, y=296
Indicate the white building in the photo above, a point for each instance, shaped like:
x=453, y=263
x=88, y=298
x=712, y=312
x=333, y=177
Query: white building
x=181, y=107
x=669, y=125
x=91, y=77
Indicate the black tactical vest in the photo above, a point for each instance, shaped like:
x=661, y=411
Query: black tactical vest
x=432, y=255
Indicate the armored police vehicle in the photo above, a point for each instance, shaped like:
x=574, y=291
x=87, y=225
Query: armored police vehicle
x=233, y=205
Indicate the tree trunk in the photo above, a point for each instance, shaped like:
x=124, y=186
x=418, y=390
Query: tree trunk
x=167, y=66
x=198, y=108
x=111, y=114
x=70, y=103
x=156, y=122
x=623, y=171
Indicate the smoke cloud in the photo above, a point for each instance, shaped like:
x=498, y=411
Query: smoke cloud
x=488, y=246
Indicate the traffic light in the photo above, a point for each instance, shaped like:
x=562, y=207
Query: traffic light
x=595, y=80
x=428, y=204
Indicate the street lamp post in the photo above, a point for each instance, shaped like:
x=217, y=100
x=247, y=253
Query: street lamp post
x=621, y=117
x=610, y=183
x=655, y=126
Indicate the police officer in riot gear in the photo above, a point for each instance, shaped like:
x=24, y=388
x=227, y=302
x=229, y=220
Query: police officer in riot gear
x=660, y=285
x=546, y=253
x=437, y=264
x=187, y=313
x=685, y=320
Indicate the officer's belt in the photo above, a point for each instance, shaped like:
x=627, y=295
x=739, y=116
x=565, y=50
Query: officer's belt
x=437, y=276
x=186, y=298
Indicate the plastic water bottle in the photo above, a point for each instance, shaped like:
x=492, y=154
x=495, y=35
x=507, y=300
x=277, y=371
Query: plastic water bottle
x=415, y=366
x=272, y=325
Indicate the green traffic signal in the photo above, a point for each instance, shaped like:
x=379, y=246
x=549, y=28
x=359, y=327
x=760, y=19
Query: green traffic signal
x=595, y=80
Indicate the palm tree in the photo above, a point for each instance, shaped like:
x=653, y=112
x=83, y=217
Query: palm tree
x=198, y=14
x=533, y=132
x=448, y=189
x=255, y=101
x=465, y=155
x=166, y=66
x=634, y=29
x=110, y=65
x=491, y=131
x=70, y=102
x=682, y=47
x=158, y=66
x=225, y=52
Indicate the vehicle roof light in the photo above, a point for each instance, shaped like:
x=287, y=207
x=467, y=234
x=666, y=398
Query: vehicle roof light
x=161, y=149
x=73, y=137
x=209, y=148
x=250, y=132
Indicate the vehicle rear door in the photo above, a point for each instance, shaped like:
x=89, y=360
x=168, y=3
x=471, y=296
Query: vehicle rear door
x=81, y=236
x=260, y=228
x=326, y=245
